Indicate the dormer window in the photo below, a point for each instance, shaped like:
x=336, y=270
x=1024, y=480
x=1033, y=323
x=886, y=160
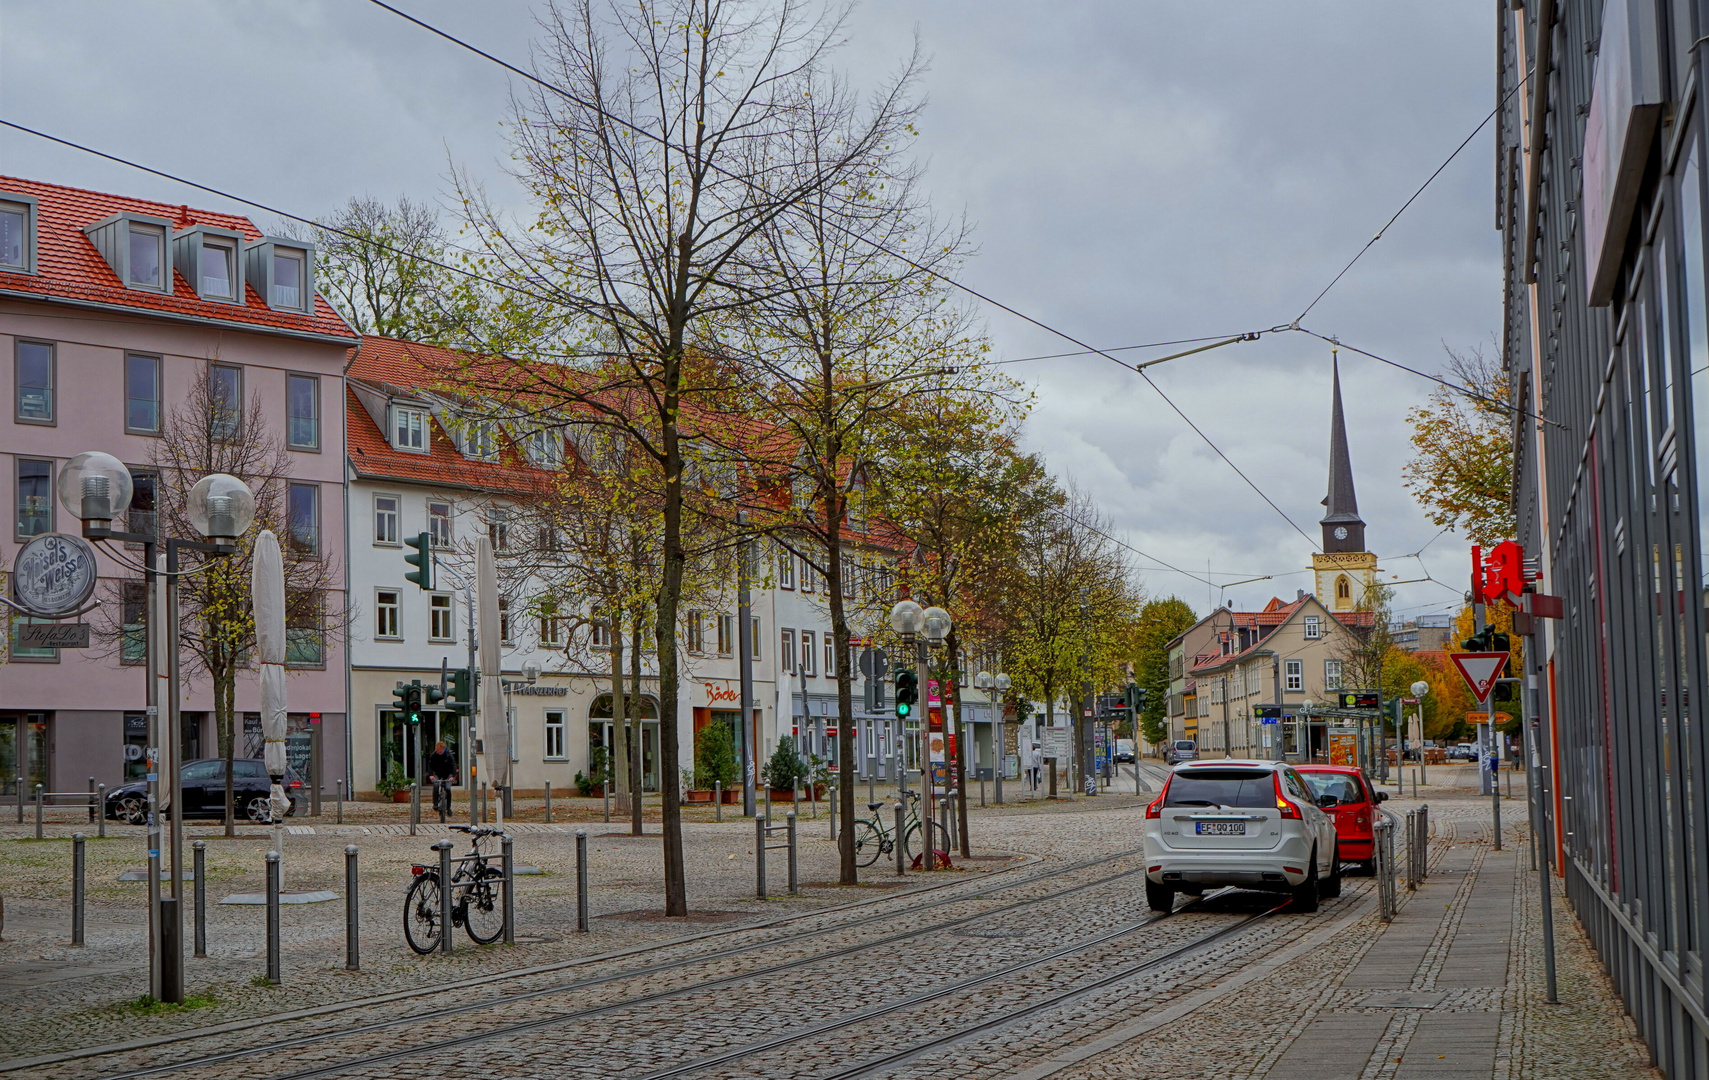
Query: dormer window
x=135, y=247
x=409, y=428
x=282, y=271
x=480, y=441
x=17, y=234
x=546, y=448
x=207, y=258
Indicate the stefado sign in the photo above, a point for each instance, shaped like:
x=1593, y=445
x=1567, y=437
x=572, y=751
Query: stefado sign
x=54, y=575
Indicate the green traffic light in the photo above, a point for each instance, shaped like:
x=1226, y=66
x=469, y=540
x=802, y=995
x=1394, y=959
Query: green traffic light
x=421, y=559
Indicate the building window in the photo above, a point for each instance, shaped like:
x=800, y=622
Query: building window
x=34, y=379
x=19, y=652
x=555, y=735
x=694, y=631
x=303, y=508
x=140, y=517
x=386, y=519
x=133, y=626
x=807, y=657
x=785, y=570
x=302, y=419
x=439, y=523
x=1311, y=626
x=480, y=440
x=35, y=498
x=830, y=656
x=289, y=289
x=16, y=243
x=786, y=649
x=1343, y=588
x=409, y=429
x=599, y=635
x=305, y=638
x=440, y=624
x=546, y=448
x=726, y=635
x=551, y=632
x=1292, y=671
x=1332, y=674
x=498, y=528
x=386, y=613
x=506, y=631
x=148, y=256
x=754, y=637
x=217, y=267
x=806, y=576
x=142, y=394
x=225, y=393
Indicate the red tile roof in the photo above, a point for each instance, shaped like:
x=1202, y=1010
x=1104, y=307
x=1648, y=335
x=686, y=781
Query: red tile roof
x=69, y=268
x=373, y=457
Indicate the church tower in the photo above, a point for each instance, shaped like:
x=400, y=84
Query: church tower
x=1343, y=570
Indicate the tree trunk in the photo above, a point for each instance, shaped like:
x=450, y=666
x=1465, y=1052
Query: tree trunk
x=617, y=754
x=960, y=744
x=637, y=730
x=225, y=683
x=670, y=593
x=847, y=873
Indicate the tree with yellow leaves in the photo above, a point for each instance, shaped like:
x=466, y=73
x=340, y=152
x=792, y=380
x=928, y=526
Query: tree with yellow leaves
x=1461, y=470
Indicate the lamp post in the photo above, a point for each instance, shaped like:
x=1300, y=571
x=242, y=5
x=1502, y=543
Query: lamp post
x=1302, y=730
x=1000, y=684
x=1419, y=689
x=96, y=488
x=910, y=620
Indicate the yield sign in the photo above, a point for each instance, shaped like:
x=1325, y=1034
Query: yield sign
x=1480, y=670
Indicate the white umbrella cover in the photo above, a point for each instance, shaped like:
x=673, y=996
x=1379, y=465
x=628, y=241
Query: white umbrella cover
x=267, y=586
x=495, y=732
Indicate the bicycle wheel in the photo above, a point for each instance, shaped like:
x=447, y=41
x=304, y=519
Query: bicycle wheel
x=869, y=844
x=483, y=903
x=421, y=914
x=911, y=843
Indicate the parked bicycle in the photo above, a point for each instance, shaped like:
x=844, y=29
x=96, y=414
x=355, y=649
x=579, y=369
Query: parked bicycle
x=477, y=904
x=874, y=838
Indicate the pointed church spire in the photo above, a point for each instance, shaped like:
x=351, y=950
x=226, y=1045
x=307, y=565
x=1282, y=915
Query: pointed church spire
x=1342, y=529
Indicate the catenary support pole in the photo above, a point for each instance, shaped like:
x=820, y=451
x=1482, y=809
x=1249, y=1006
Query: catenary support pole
x=199, y=868
x=273, y=928
x=581, y=881
x=352, y=912
x=77, y=889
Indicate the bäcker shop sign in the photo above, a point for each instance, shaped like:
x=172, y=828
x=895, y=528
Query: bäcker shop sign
x=54, y=575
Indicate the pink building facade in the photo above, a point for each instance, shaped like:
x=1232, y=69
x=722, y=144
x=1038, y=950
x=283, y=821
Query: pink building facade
x=110, y=309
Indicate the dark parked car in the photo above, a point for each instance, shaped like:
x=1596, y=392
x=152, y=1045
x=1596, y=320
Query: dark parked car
x=203, y=786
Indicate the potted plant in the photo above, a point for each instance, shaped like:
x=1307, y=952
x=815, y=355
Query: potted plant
x=714, y=762
x=394, y=785
x=599, y=765
x=784, y=769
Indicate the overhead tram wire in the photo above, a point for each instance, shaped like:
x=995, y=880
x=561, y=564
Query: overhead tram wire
x=1462, y=391
x=939, y=275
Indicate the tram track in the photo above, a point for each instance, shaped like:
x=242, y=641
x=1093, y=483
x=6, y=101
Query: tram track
x=650, y=971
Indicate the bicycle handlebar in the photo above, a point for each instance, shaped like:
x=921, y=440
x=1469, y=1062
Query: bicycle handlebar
x=482, y=830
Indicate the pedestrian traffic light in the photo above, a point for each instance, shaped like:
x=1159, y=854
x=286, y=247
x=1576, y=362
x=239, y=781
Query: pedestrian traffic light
x=457, y=697
x=907, y=693
x=421, y=559
x=412, y=702
x=402, y=696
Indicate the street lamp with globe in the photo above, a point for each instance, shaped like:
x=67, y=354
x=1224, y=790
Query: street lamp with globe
x=1419, y=690
x=96, y=489
x=910, y=620
x=995, y=687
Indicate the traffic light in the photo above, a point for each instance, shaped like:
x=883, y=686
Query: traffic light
x=421, y=559
x=412, y=702
x=907, y=693
x=457, y=697
x=431, y=695
x=402, y=695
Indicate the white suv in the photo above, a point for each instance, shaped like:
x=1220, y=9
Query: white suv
x=1250, y=824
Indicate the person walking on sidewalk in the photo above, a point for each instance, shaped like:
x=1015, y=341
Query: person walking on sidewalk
x=1035, y=762
x=442, y=768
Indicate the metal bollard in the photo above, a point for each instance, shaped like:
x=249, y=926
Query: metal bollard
x=19, y=788
x=718, y=800
x=507, y=799
x=835, y=798
x=794, y=889
x=605, y=793
x=91, y=798
x=444, y=847
x=171, y=952
x=943, y=833
x=1424, y=841
x=38, y=811
x=199, y=866
x=273, y=876
x=77, y=888
x=414, y=806
x=767, y=803
x=759, y=858
x=339, y=795
x=101, y=818
x=352, y=912
x=900, y=847
x=982, y=791
x=485, y=818
x=548, y=802
x=581, y=881
x=507, y=860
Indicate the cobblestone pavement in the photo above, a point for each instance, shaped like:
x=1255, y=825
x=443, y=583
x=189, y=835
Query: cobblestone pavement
x=1044, y=941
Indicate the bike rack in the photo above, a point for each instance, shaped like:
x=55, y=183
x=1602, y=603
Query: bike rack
x=762, y=833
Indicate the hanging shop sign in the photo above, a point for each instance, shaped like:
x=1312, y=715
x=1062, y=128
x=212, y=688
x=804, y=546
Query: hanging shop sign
x=54, y=575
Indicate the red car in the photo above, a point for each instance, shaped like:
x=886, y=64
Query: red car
x=1355, y=806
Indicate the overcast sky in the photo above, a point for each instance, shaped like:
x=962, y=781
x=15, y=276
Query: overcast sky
x=1135, y=172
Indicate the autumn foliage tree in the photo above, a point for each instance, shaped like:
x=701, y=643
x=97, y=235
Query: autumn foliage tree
x=1461, y=469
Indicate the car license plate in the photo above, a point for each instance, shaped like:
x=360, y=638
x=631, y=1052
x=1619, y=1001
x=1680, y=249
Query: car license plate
x=1221, y=828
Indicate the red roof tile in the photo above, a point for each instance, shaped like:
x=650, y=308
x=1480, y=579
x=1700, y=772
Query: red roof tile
x=69, y=268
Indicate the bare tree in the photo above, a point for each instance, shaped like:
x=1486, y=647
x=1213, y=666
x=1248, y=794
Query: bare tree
x=656, y=147
x=376, y=263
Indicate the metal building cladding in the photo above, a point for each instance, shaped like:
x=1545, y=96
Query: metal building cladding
x=1601, y=156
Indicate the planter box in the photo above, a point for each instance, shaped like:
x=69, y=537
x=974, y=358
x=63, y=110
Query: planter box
x=401, y=796
x=697, y=795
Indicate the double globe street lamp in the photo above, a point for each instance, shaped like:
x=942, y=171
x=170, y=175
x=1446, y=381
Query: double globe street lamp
x=1000, y=683
x=911, y=621
x=96, y=488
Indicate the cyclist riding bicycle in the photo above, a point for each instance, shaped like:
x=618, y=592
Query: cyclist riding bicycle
x=442, y=769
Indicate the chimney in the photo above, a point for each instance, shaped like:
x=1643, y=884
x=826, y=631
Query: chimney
x=1299, y=596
